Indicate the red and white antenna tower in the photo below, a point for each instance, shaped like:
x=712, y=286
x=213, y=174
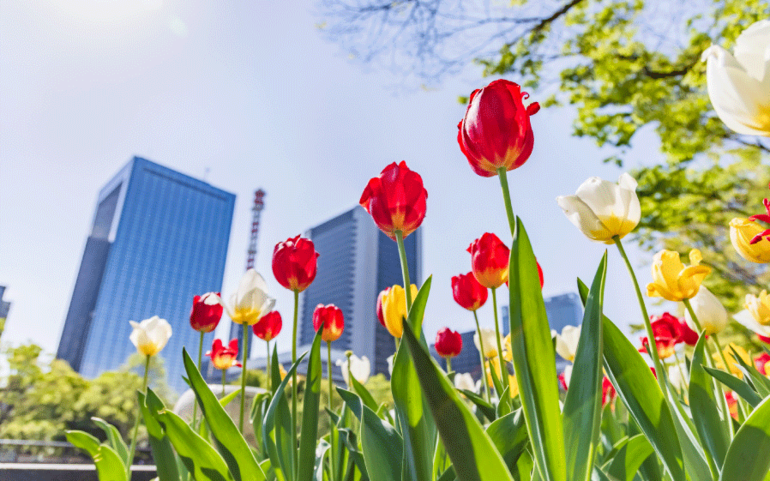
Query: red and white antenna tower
x=259, y=204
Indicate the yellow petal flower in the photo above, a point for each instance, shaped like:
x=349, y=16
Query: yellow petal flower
x=759, y=307
x=394, y=309
x=741, y=233
x=674, y=281
x=513, y=388
x=732, y=363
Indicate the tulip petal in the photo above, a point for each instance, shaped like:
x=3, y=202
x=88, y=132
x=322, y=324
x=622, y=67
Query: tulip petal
x=752, y=50
x=582, y=217
x=747, y=320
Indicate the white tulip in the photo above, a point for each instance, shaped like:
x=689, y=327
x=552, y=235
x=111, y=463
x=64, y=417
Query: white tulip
x=678, y=376
x=465, y=381
x=390, y=364
x=251, y=301
x=746, y=319
x=489, y=338
x=603, y=209
x=710, y=312
x=739, y=83
x=151, y=335
x=567, y=374
x=567, y=342
x=360, y=368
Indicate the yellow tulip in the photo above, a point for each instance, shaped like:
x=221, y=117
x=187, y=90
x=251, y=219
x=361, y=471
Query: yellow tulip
x=759, y=307
x=507, y=351
x=741, y=233
x=513, y=388
x=731, y=362
x=493, y=363
x=673, y=281
x=394, y=309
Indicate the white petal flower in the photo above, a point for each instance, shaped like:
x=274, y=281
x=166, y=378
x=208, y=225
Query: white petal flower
x=465, y=381
x=567, y=342
x=711, y=313
x=675, y=376
x=390, y=364
x=746, y=319
x=151, y=335
x=251, y=301
x=489, y=338
x=603, y=209
x=360, y=368
x=739, y=84
x=567, y=374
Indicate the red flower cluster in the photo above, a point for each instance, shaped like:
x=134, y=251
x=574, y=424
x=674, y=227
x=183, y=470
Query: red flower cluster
x=396, y=200
x=332, y=319
x=206, y=312
x=608, y=391
x=268, y=326
x=669, y=331
x=489, y=260
x=468, y=292
x=449, y=343
x=764, y=218
x=496, y=131
x=224, y=357
x=294, y=263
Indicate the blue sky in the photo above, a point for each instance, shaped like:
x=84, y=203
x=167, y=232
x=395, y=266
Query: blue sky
x=252, y=92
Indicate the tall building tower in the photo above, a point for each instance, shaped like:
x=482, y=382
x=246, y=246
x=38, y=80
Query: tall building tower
x=356, y=262
x=158, y=238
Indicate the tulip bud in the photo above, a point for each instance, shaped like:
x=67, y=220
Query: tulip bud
x=206, y=312
x=269, y=326
x=394, y=309
x=496, y=131
x=396, y=200
x=380, y=315
x=295, y=263
x=224, y=357
x=489, y=260
x=765, y=339
x=742, y=234
x=449, y=343
x=489, y=339
x=737, y=85
x=251, y=301
x=467, y=291
x=332, y=319
x=565, y=377
x=567, y=342
x=602, y=209
x=673, y=281
x=464, y=381
x=151, y=335
x=711, y=313
x=360, y=368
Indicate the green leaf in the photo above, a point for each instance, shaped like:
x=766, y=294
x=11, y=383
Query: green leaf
x=472, y=452
x=318, y=468
x=703, y=406
x=353, y=401
x=310, y=406
x=278, y=436
x=637, y=388
x=198, y=456
x=738, y=385
x=382, y=446
x=486, y=409
x=363, y=393
x=504, y=404
x=229, y=441
x=417, y=428
x=583, y=405
x=748, y=457
x=114, y=438
x=509, y=434
x=109, y=466
x=626, y=462
x=160, y=444
x=534, y=360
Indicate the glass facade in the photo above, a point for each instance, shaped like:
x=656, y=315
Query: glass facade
x=166, y=237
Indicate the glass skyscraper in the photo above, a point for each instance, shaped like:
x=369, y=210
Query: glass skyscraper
x=159, y=237
x=356, y=262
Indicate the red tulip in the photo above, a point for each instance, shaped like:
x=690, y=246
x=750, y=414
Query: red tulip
x=396, y=200
x=689, y=336
x=489, y=260
x=294, y=263
x=206, y=312
x=269, y=326
x=449, y=343
x=608, y=391
x=761, y=362
x=332, y=319
x=468, y=292
x=539, y=274
x=763, y=338
x=224, y=357
x=496, y=132
x=380, y=316
x=732, y=404
x=668, y=333
x=563, y=381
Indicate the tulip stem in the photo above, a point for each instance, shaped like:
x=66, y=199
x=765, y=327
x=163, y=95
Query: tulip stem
x=243, y=373
x=132, y=451
x=224, y=381
x=650, y=334
x=503, y=367
x=331, y=396
x=503, y=175
x=195, y=404
x=709, y=360
x=727, y=366
x=448, y=365
x=269, y=372
x=481, y=355
x=405, y=271
x=294, y=419
x=685, y=382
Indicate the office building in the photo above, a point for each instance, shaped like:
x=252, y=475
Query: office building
x=5, y=307
x=158, y=238
x=356, y=262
